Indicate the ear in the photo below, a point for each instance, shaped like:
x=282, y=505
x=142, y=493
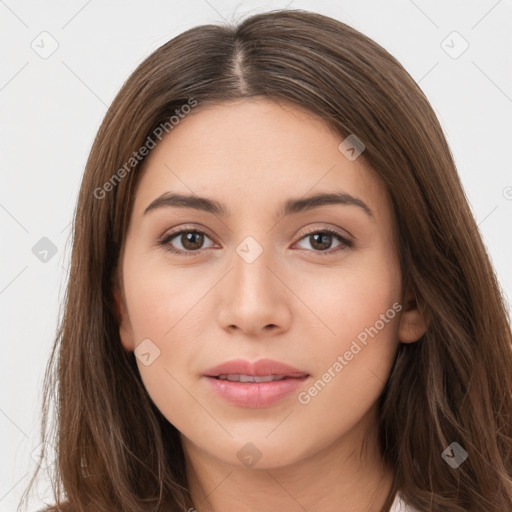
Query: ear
x=413, y=323
x=125, y=326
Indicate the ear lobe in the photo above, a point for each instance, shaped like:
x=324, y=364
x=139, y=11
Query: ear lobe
x=413, y=323
x=125, y=328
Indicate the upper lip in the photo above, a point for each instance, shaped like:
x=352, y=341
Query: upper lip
x=259, y=368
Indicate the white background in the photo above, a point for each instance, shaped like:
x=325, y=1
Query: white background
x=51, y=109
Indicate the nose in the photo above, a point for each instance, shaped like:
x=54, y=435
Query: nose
x=255, y=298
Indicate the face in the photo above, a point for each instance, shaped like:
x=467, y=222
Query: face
x=314, y=285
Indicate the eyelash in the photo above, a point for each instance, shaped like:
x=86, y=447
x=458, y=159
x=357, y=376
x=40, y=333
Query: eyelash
x=345, y=242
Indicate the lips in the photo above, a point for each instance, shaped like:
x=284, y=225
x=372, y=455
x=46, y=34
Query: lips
x=260, y=368
x=254, y=385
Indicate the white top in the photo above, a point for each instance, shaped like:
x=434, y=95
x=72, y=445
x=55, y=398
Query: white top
x=399, y=506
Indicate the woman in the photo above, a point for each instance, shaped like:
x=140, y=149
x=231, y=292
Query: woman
x=279, y=298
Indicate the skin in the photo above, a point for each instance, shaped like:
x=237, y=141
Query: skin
x=292, y=304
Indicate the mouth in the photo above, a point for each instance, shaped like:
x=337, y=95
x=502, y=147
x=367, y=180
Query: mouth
x=242, y=370
x=254, y=385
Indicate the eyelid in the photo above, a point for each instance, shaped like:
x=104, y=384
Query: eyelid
x=170, y=234
x=186, y=227
x=346, y=242
x=338, y=231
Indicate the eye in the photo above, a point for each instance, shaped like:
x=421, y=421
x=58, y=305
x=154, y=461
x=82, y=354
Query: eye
x=192, y=240
x=322, y=239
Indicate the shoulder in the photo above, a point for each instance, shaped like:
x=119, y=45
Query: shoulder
x=399, y=505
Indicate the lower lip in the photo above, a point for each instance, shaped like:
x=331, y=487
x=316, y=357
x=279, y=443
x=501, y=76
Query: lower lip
x=255, y=394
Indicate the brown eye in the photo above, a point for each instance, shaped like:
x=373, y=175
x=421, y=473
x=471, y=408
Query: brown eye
x=192, y=240
x=185, y=241
x=189, y=242
x=322, y=240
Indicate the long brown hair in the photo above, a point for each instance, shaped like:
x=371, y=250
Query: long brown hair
x=115, y=449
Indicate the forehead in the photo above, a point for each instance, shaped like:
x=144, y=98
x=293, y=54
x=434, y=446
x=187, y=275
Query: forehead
x=254, y=153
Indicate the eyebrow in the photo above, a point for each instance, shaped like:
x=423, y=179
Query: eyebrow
x=289, y=207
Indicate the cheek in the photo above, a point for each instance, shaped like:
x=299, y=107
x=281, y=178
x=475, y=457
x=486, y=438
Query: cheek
x=347, y=301
x=164, y=307
x=358, y=309
x=163, y=301
x=158, y=315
